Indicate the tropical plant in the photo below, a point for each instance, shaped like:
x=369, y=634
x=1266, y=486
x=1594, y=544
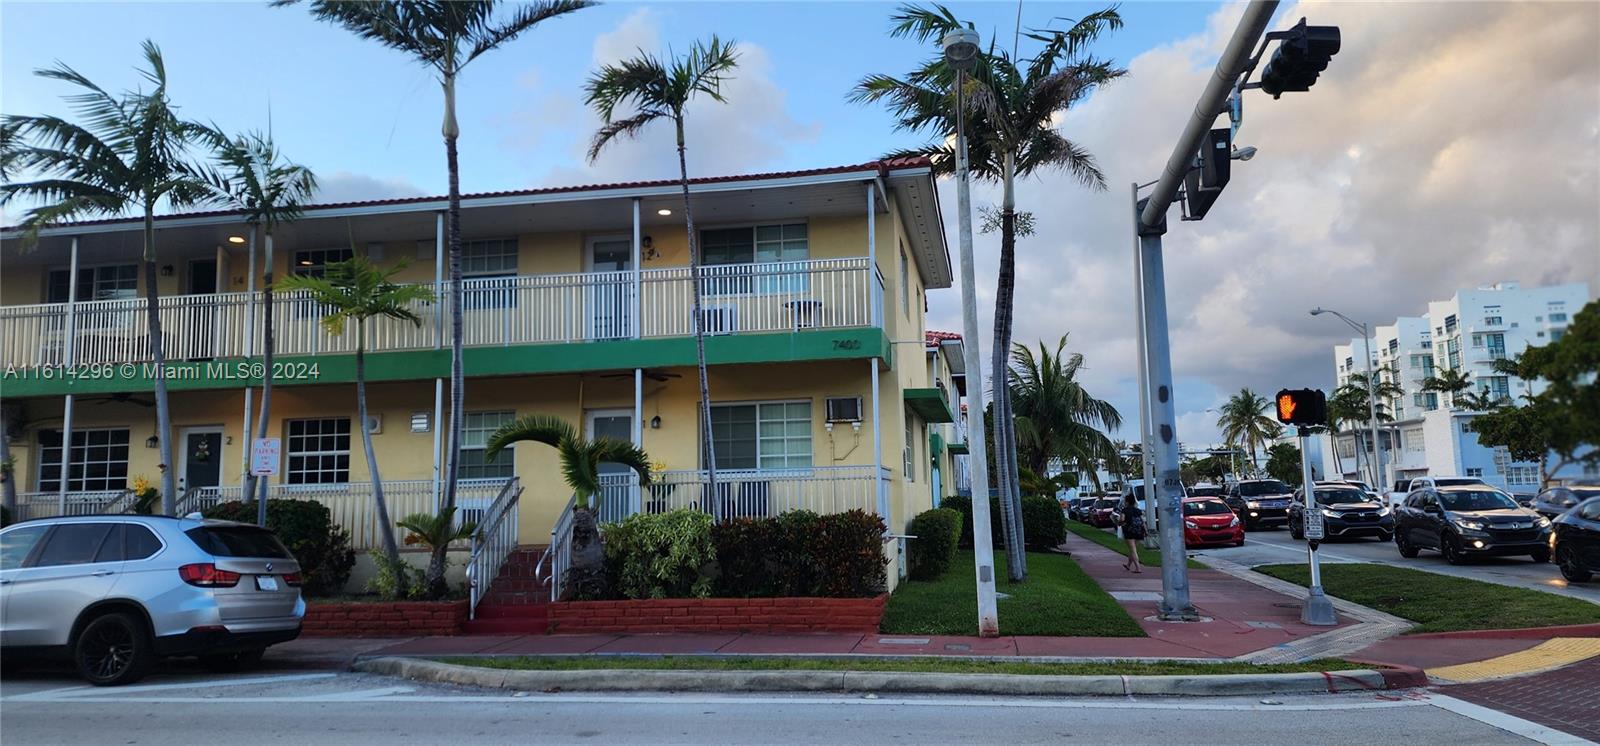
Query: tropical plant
x=1356, y=405
x=1283, y=463
x=580, y=467
x=128, y=152
x=434, y=530
x=1055, y=417
x=1244, y=423
x=145, y=495
x=252, y=176
x=1012, y=109
x=358, y=290
x=654, y=89
x=445, y=36
x=1452, y=382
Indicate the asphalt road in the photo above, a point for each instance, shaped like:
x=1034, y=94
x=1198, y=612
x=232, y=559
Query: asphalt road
x=345, y=708
x=1273, y=547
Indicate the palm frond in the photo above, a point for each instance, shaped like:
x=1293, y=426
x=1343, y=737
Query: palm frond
x=921, y=23
x=492, y=35
x=626, y=127
x=538, y=428
x=611, y=450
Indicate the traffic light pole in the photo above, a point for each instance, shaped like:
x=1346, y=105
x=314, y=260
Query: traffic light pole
x=1146, y=442
x=1318, y=610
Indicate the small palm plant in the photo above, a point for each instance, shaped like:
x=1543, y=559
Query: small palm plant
x=434, y=530
x=1244, y=421
x=660, y=89
x=1452, y=382
x=360, y=290
x=580, y=467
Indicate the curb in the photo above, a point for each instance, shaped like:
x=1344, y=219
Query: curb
x=1530, y=633
x=626, y=680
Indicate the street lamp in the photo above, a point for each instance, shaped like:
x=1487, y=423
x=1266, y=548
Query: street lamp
x=961, y=53
x=1379, y=481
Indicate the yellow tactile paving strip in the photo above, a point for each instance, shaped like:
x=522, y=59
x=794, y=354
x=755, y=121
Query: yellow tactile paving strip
x=1549, y=654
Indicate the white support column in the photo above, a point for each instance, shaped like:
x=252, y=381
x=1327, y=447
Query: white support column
x=438, y=413
x=877, y=446
x=872, y=259
x=440, y=316
x=636, y=306
x=69, y=352
x=635, y=498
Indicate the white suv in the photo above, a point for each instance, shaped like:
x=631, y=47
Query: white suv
x=115, y=592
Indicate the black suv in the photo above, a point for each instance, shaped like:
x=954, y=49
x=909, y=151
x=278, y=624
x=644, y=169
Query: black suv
x=1347, y=511
x=1260, y=502
x=1557, y=500
x=1471, y=519
x=1577, y=541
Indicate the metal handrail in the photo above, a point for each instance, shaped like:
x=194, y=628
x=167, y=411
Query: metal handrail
x=492, y=542
x=557, y=556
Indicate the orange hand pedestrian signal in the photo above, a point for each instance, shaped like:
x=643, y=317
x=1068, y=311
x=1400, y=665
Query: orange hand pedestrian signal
x=1302, y=407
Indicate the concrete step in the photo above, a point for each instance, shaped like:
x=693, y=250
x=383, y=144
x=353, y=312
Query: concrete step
x=507, y=626
x=487, y=610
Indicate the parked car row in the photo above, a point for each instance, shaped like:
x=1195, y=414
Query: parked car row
x=116, y=592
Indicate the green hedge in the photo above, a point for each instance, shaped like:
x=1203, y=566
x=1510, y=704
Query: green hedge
x=937, y=533
x=1044, y=526
x=306, y=527
x=660, y=555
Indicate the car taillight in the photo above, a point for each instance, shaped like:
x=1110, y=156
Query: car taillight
x=206, y=575
x=292, y=579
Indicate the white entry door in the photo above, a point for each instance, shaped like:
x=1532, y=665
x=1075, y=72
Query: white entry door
x=619, y=493
x=610, y=292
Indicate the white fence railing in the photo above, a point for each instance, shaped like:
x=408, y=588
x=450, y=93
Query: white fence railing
x=760, y=297
x=49, y=504
x=352, y=504
x=492, y=541
x=743, y=493
x=557, y=557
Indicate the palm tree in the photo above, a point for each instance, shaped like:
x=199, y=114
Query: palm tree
x=660, y=89
x=1452, y=382
x=1244, y=421
x=1013, y=107
x=268, y=189
x=128, y=153
x=445, y=35
x=357, y=289
x=1056, y=418
x=580, y=466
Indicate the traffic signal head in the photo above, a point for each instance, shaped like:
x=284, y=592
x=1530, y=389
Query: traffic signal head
x=1204, y=183
x=1302, y=407
x=1300, y=58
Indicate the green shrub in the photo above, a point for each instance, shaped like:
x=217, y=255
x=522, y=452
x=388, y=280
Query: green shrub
x=306, y=527
x=962, y=505
x=390, y=576
x=848, y=550
x=662, y=555
x=795, y=569
x=746, y=557
x=5, y=516
x=937, y=532
x=1044, y=526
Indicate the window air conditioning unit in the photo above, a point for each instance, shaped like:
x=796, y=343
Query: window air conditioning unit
x=844, y=409
x=374, y=423
x=718, y=319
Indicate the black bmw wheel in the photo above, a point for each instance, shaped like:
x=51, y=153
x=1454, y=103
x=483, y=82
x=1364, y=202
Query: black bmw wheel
x=113, y=650
x=1567, y=560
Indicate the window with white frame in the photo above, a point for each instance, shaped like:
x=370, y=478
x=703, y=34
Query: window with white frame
x=908, y=454
x=318, y=451
x=476, y=427
x=1557, y=334
x=905, y=282
x=762, y=435
x=1474, y=472
x=489, y=269
x=99, y=460
x=1556, y=318
x=772, y=242
x=110, y=282
x=1522, y=475
x=314, y=262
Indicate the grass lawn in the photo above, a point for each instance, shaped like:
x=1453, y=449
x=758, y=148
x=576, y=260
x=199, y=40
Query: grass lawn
x=1110, y=541
x=1057, y=599
x=930, y=665
x=1440, y=603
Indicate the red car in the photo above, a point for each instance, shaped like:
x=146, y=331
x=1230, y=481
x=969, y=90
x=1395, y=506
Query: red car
x=1100, y=514
x=1209, y=521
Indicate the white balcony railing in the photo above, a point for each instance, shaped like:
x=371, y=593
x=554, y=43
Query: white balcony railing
x=49, y=504
x=762, y=297
x=743, y=493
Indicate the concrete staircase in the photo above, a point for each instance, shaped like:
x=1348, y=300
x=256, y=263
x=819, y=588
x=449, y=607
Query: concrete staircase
x=518, y=603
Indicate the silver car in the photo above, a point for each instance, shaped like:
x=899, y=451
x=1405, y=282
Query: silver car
x=115, y=592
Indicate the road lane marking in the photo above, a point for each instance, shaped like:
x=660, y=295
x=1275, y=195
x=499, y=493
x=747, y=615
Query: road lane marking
x=80, y=692
x=1553, y=653
x=1508, y=723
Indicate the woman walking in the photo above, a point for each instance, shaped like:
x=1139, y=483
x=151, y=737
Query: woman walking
x=1131, y=518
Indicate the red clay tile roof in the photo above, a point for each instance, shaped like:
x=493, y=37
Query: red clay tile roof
x=881, y=166
x=935, y=337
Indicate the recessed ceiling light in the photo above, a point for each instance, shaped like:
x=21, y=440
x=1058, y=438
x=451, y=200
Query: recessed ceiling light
x=305, y=262
x=663, y=211
x=235, y=239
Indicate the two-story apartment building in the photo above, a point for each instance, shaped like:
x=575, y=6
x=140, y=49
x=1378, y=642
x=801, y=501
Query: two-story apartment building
x=826, y=392
x=1428, y=433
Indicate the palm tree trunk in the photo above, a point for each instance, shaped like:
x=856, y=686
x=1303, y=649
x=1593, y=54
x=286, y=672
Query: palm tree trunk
x=436, y=564
x=707, y=448
x=385, y=526
x=158, y=356
x=1005, y=445
x=259, y=493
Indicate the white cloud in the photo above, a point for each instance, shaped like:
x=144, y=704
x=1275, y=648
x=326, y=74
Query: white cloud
x=344, y=186
x=1447, y=146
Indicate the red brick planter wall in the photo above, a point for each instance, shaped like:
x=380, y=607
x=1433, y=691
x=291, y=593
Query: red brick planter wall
x=766, y=615
x=384, y=619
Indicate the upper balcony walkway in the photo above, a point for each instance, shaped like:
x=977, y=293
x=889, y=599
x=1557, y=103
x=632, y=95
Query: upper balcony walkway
x=837, y=293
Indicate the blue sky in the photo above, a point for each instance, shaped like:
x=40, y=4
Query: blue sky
x=1386, y=186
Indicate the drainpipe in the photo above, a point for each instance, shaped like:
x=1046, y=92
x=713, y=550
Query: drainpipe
x=70, y=342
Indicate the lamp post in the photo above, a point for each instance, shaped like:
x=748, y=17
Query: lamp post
x=1379, y=481
x=961, y=54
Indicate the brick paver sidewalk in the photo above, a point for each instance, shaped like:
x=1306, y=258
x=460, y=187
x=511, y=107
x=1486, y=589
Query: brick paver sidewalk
x=1566, y=699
